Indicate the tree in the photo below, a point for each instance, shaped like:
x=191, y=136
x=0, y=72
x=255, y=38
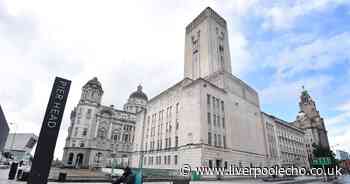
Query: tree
x=325, y=152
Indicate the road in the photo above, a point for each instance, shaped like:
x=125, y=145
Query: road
x=341, y=180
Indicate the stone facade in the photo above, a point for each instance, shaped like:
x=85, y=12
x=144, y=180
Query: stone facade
x=310, y=121
x=100, y=133
x=286, y=143
x=210, y=118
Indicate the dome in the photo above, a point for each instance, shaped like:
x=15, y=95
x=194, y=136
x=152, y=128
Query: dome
x=94, y=83
x=139, y=94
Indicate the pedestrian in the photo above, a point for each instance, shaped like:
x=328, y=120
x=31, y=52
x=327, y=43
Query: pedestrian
x=127, y=177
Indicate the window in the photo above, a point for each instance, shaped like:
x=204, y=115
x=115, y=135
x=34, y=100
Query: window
x=223, y=122
x=176, y=141
x=215, y=142
x=219, y=140
x=218, y=121
x=209, y=138
x=85, y=132
x=81, y=144
x=177, y=124
x=88, y=114
x=169, y=162
x=145, y=160
x=210, y=164
x=177, y=108
x=73, y=143
x=214, y=120
x=213, y=99
x=116, y=137
x=175, y=159
x=208, y=99
x=209, y=118
x=222, y=106
x=165, y=160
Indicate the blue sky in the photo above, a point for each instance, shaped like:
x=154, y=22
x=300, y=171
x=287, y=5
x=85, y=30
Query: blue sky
x=276, y=47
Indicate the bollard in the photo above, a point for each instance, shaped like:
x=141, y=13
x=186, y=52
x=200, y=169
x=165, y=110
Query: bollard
x=62, y=177
x=24, y=176
x=19, y=174
x=13, y=171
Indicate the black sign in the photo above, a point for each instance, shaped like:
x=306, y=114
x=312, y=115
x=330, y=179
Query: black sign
x=49, y=132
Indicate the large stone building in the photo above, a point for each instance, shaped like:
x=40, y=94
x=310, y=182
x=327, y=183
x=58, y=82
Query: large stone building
x=310, y=121
x=286, y=143
x=210, y=118
x=100, y=133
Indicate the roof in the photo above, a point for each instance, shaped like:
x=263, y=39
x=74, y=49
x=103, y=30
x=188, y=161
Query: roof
x=282, y=122
x=139, y=94
x=94, y=83
x=21, y=141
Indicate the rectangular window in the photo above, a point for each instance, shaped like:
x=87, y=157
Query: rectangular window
x=176, y=141
x=208, y=99
x=219, y=140
x=213, y=102
x=218, y=121
x=85, y=132
x=165, y=160
x=88, y=114
x=217, y=104
x=177, y=108
x=214, y=120
x=223, y=122
x=177, y=124
x=210, y=164
x=209, y=138
x=175, y=159
x=215, y=141
x=209, y=118
x=222, y=106
x=169, y=162
x=145, y=160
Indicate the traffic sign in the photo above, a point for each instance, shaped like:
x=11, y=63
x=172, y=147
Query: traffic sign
x=321, y=161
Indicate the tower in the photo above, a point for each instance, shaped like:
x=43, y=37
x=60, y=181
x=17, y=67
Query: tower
x=311, y=122
x=137, y=101
x=92, y=92
x=206, y=46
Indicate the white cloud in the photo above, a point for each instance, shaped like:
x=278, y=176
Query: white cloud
x=284, y=15
x=315, y=55
x=287, y=92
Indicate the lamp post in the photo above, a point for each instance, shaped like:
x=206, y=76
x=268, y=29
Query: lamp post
x=14, y=136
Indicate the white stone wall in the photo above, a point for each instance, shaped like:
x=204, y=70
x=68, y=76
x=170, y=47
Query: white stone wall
x=288, y=141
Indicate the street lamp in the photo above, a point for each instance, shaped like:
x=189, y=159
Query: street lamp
x=14, y=136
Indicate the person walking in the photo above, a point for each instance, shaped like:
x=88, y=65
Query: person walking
x=127, y=177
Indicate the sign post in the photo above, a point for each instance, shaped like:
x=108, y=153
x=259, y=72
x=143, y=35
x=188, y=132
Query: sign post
x=322, y=161
x=49, y=131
